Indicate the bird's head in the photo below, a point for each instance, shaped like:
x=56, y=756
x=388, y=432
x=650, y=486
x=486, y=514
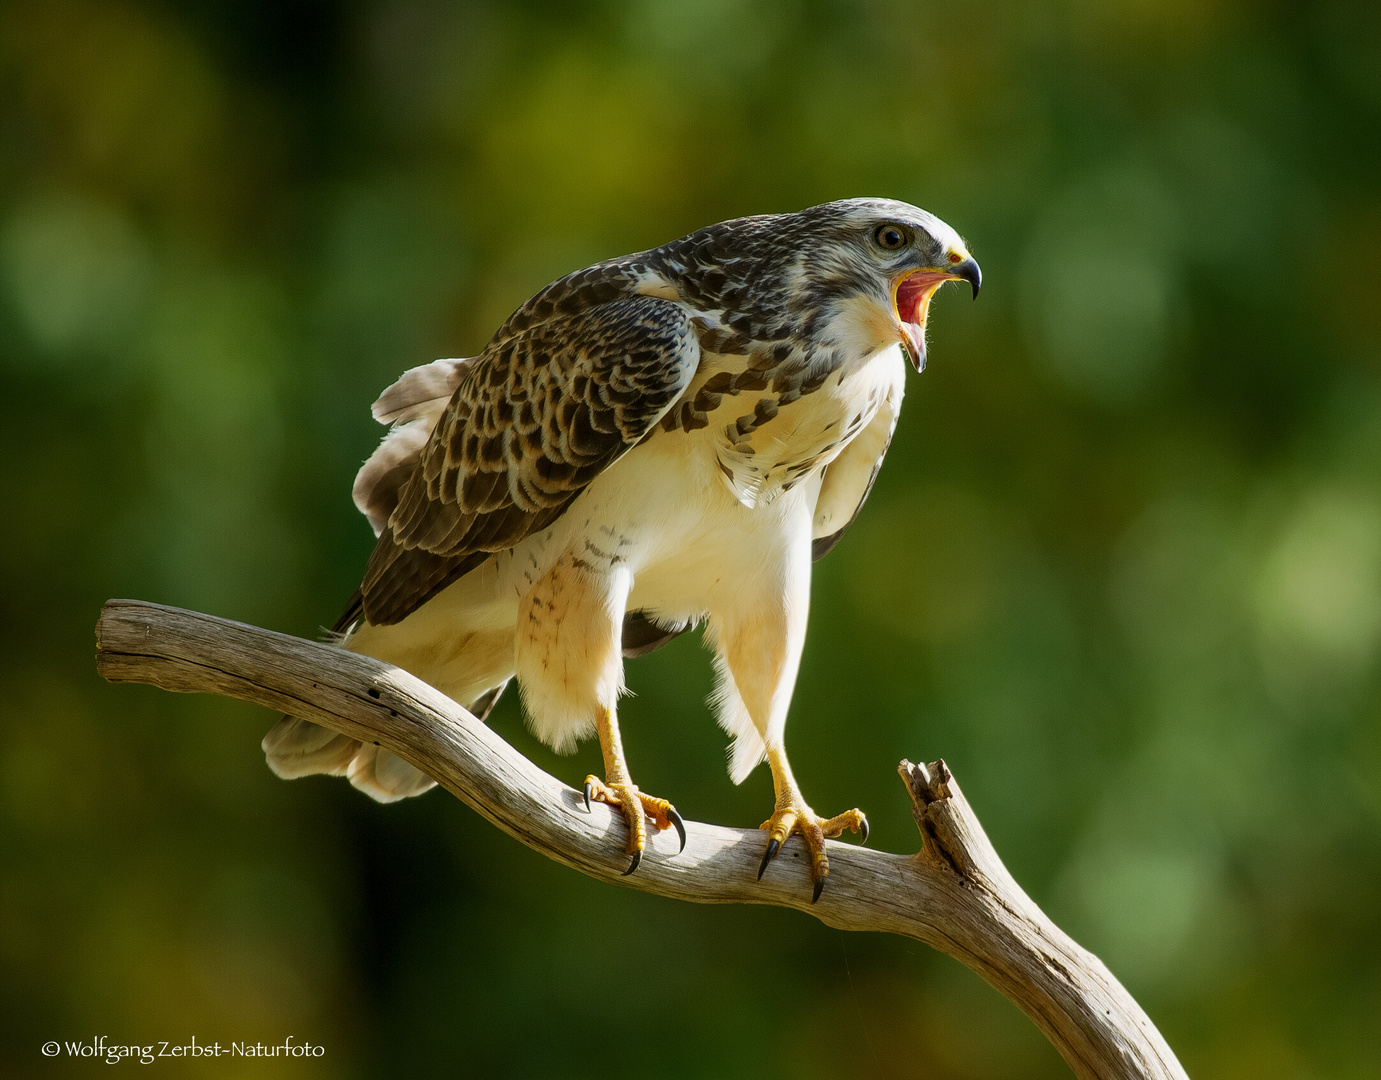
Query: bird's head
x=873, y=265
x=851, y=277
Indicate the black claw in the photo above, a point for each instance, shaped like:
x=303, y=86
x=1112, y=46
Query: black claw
x=589, y=790
x=637, y=858
x=865, y=832
x=819, y=888
x=773, y=846
x=678, y=825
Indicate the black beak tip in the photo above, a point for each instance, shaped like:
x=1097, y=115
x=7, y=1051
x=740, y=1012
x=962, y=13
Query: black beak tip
x=969, y=271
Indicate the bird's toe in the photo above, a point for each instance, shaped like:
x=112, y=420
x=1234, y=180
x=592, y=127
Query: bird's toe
x=636, y=807
x=813, y=829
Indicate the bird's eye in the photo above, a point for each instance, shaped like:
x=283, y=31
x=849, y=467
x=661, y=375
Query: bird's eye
x=889, y=237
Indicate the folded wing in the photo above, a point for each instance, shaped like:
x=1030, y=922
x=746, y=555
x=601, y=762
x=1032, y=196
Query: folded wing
x=849, y=478
x=533, y=420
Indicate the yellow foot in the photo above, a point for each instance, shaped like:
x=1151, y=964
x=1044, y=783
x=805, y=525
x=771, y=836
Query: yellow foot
x=799, y=818
x=635, y=805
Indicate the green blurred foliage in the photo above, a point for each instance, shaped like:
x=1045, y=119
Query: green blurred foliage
x=1122, y=570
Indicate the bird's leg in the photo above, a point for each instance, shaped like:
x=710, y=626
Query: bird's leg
x=570, y=665
x=793, y=814
x=760, y=635
x=618, y=789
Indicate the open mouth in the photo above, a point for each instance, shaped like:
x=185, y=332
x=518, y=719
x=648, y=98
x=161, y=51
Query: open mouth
x=912, y=298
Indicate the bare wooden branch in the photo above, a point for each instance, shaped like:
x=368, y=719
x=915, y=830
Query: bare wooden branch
x=955, y=895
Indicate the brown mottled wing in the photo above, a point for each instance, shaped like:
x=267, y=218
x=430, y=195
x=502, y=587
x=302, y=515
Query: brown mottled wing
x=849, y=478
x=543, y=411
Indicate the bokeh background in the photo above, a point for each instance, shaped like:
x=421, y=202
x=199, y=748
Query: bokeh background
x=1122, y=569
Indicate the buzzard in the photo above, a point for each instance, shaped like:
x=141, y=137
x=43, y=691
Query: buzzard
x=654, y=441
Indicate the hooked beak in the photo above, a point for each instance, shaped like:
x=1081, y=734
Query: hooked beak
x=911, y=299
x=968, y=271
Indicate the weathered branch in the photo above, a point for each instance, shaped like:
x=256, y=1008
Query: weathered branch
x=955, y=895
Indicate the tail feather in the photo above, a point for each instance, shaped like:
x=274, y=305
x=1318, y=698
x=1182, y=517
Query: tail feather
x=385, y=777
x=295, y=747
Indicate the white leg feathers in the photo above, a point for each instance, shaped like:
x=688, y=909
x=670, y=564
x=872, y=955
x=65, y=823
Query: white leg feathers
x=569, y=652
x=758, y=633
x=747, y=750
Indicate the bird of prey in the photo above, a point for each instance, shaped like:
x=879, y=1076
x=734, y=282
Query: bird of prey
x=655, y=441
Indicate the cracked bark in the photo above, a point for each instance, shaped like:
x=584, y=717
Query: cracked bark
x=954, y=895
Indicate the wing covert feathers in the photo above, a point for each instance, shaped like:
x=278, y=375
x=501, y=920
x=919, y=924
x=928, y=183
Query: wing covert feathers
x=532, y=420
